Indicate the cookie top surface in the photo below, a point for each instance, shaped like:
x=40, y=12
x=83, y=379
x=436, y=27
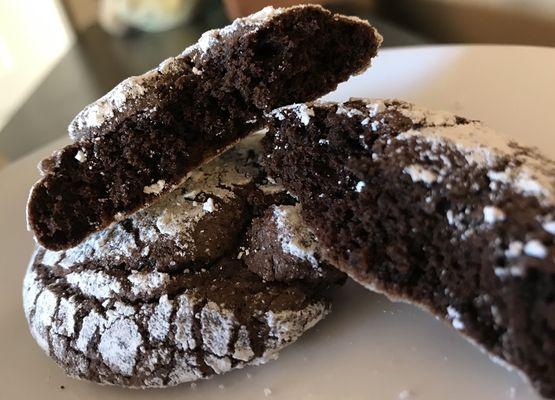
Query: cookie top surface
x=137, y=91
x=524, y=169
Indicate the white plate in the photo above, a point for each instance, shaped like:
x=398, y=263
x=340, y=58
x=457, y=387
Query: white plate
x=368, y=347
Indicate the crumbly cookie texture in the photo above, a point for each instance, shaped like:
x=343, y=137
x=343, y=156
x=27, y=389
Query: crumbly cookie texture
x=166, y=297
x=431, y=208
x=140, y=140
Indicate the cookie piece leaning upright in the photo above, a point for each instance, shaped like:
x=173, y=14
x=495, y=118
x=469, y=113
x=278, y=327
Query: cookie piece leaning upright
x=140, y=140
x=434, y=209
x=171, y=294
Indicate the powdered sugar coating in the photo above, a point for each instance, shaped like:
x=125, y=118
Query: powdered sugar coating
x=420, y=174
x=438, y=135
x=493, y=214
x=97, y=284
x=131, y=345
x=137, y=88
x=155, y=188
x=119, y=98
x=302, y=111
x=143, y=283
x=455, y=317
x=529, y=172
x=118, y=345
x=295, y=238
x=535, y=248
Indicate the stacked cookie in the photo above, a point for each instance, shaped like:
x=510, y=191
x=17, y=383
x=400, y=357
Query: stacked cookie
x=161, y=261
x=183, y=289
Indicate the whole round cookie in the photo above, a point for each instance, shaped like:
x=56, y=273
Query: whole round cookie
x=172, y=294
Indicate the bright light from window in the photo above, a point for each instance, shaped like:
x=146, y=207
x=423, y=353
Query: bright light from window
x=6, y=60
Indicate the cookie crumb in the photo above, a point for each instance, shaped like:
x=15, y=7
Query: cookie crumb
x=62, y=387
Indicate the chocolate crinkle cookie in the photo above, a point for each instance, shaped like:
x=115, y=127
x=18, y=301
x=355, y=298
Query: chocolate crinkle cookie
x=183, y=289
x=141, y=139
x=434, y=209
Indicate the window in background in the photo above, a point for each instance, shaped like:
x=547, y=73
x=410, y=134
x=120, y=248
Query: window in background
x=33, y=36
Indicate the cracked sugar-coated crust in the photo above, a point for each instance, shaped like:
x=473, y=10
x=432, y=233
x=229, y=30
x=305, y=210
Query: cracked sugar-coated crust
x=433, y=209
x=150, y=302
x=192, y=333
x=140, y=140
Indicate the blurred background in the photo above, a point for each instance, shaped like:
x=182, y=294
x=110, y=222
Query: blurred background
x=56, y=56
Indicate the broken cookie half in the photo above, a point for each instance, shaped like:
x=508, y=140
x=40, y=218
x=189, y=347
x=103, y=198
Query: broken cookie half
x=433, y=209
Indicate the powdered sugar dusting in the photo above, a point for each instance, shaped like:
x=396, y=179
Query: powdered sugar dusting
x=173, y=217
x=97, y=284
x=295, y=238
x=455, y=317
x=360, y=186
x=284, y=326
x=535, y=248
x=132, y=89
x=99, y=112
x=159, y=323
x=45, y=307
x=302, y=111
x=530, y=174
x=420, y=174
x=493, y=214
x=184, y=320
x=147, y=282
x=64, y=324
x=208, y=205
x=243, y=350
x=526, y=174
x=549, y=226
x=118, y=345
x=217, y=327
x=81, y=156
